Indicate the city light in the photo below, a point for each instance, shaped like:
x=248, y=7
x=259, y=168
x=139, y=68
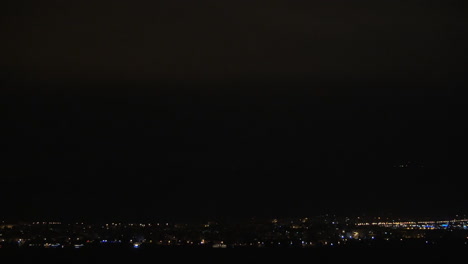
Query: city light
x=268, y=233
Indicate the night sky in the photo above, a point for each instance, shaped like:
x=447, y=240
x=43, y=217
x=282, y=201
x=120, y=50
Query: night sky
x=207, y=109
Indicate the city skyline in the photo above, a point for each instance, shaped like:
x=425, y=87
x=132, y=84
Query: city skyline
x=314, y=232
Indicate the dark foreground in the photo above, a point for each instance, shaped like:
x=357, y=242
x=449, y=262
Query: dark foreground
x=235, y=255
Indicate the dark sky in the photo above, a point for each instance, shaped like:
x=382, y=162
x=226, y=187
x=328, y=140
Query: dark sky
x=220, y=40
x=219, y=109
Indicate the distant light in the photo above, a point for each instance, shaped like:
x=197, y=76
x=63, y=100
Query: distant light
x=136, y=245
